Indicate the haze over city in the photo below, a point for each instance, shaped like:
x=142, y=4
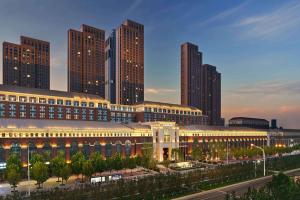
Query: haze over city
x=254, y=45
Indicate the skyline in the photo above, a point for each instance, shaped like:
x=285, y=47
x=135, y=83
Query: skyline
x=262, y=33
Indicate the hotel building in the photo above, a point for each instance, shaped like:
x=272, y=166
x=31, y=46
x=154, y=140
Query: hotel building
x=52, y=121
x=129, y=63
x=27, y=64
x=86, y=60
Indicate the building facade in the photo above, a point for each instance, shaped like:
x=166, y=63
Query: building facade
x=27, y=103
x=129, y=63
x=249, y=122
x=86, y=60
x=21, y=136
x=27, y=64
x=210, y=94
x=191, y=62
x=110, y=67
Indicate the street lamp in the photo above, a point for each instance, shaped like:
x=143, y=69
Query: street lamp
x=28, y=170
x=264, y=156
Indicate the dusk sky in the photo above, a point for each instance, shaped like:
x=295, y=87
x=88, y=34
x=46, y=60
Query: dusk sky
x=254, y=44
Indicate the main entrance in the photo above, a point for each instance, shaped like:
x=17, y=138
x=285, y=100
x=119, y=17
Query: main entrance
x=166, y=153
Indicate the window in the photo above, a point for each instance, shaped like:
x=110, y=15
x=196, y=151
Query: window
x=51, y=101
x=60, y=102
x=42, y=100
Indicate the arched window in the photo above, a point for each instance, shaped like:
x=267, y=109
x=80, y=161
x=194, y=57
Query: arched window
x=119, y=147
x=86, y=150
x=2, y=153
x=61, y=147
x=97, y=147
x=47, y=149
x=128, y=148
x=108, y=150
x=32, y=149
x=15, y=148
x=73, y=148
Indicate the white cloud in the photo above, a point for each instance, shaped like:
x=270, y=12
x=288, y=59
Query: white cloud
x=159, y=90
x=224, y=14
x=278, y=22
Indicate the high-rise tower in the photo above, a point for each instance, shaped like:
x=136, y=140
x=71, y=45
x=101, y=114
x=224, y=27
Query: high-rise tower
x=27, y=64
x=130, y=63
x=86, y=60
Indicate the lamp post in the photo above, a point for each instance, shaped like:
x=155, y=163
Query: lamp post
x=28, y=170
x=264, y=156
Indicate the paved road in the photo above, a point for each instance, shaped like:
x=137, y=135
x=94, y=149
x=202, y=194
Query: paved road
x=239, y=188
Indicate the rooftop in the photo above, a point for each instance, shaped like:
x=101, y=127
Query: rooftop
x=248, y=118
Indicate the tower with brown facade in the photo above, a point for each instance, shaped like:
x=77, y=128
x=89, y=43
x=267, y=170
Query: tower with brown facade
x=129, y=63
x=86, y=60
x=27, y=64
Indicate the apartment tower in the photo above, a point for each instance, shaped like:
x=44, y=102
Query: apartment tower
x=129, y=63
x=86, y=60
x=191, y=62
x=27, y=64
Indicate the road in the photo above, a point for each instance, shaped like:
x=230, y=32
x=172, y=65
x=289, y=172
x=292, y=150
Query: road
x=239, y=188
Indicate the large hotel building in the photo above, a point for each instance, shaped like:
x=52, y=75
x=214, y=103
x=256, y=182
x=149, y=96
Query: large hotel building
x=27, y=64
x=200, y=84
x=52, y=121
x=86, y=60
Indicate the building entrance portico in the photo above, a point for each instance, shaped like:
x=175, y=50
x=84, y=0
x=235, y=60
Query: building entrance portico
x=165, y=138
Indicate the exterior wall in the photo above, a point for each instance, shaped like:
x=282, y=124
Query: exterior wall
x=128, y=141
x=211, y=94
x=191, y=62
x=284, y=137
x=249, y=122
x=86, y=61
x=110, y=68
x=130, y=63
x=56, y=105
x=27, y=64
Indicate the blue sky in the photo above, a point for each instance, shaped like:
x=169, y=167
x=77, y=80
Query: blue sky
x=254, y=44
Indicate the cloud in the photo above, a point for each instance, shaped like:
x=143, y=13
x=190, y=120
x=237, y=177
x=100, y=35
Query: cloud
x=224, y=14
x=159, y=90
x=132, y=7
x=268, y=88
x=278, y=22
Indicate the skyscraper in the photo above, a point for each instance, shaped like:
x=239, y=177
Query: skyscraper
x=110, y=67
x=191, y=62
x=210, y=97
x=200, y=84
x=86, y=60
x=129, y=63
x=27, y=64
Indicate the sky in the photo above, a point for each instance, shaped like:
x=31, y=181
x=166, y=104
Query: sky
x=254, y=44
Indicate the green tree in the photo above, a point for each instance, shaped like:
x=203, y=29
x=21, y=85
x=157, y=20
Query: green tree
x=117, y=163
x=56, y=165
x=98, y=163
x=87, y=168
x=177, y=155
x=36, y=158
x=40, y=173
x=13, y=175
x=65, y=173
x=196, y=153
x=77, y=161
x=14, y=159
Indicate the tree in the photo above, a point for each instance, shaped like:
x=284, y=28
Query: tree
x=117, y=163
x=40, y=173
x=196, y=153
x=131, y=164
x=14, y=159
x=13, y=175
x=36, y=158
x=87, y=168
x=77, y=161
x=98, y=163
x=178, y=155
x=57, y=164
x=65, y=173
